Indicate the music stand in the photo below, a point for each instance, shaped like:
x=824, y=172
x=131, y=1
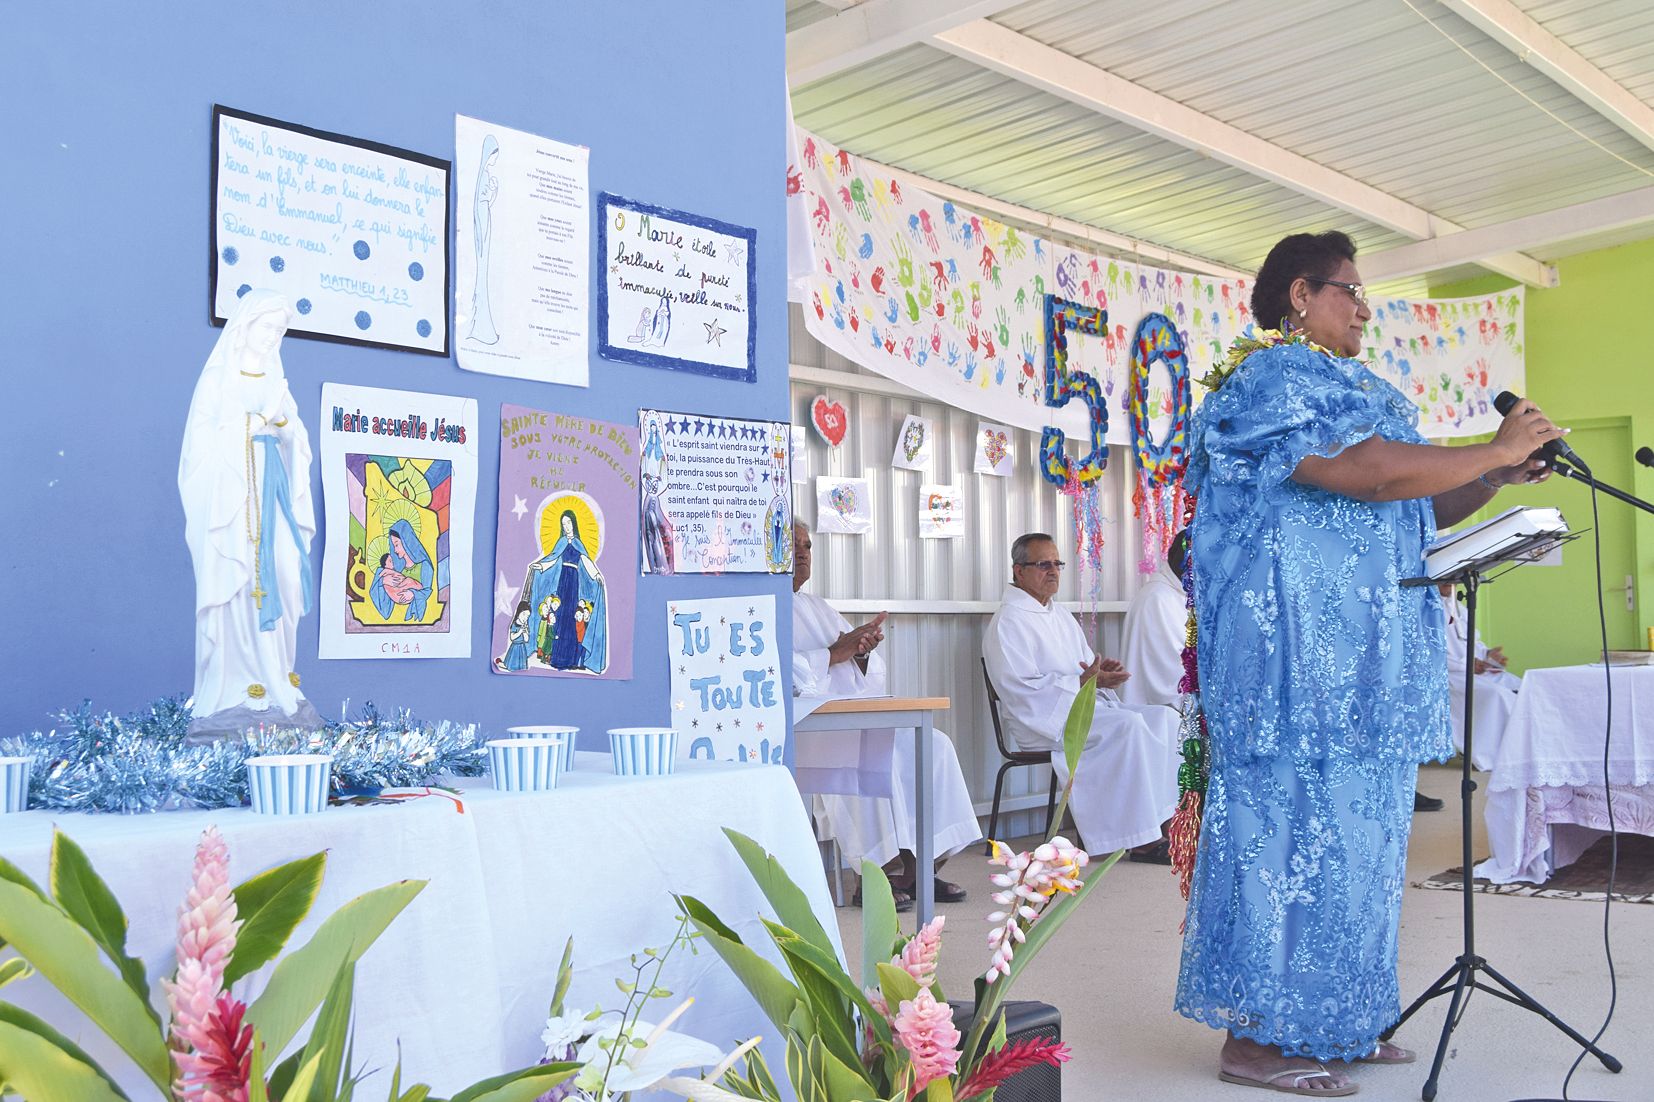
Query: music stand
x=1463, y=976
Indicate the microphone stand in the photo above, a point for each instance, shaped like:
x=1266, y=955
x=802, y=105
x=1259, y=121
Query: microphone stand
x=1562, y=467
x=1467, y=972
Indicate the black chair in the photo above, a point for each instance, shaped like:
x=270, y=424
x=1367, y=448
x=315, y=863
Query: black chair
x=1013, y=758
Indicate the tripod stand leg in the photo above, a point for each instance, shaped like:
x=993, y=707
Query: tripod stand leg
x=1440, y=987
x=1528, y=1001
x=1459, y=985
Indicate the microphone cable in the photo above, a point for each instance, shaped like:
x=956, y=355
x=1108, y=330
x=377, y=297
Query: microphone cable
x=1608, y=797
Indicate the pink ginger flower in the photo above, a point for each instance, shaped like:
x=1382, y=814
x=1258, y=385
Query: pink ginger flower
x=920, y=954
x=924, y=1027
x=201, y=1013
x=219, y=1068
x=996, y=1067
x=1027, y=886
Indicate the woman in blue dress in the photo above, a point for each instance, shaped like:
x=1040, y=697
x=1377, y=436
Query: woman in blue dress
x=1323, y=679
x=406, y=552
x=568, y=573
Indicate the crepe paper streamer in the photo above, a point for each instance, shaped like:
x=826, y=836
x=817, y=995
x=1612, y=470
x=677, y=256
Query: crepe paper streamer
x=1086, y=499
x=1158, y=498
x=1063, y=384
x=1184, y=832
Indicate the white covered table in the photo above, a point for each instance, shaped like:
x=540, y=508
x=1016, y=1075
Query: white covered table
x=1546, y=802
x=463, y=978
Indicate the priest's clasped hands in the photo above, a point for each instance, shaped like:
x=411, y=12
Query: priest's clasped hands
x=858, y=643
x=1107, y=672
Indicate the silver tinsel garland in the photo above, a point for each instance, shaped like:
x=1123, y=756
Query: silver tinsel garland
x=143, y=762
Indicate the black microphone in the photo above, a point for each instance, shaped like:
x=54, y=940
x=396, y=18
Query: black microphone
x=1556, y=449
x=1645, y=456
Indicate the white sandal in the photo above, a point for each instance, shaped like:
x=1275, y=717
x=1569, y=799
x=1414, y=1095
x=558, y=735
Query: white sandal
x=1297, y=1080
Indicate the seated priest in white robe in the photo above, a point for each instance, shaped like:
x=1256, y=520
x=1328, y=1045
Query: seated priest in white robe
x=833, y=659
x=1157, y=628
x=1495, y=686
x=1037, y=658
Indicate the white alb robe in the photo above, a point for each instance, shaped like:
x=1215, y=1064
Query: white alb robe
x=1157, y=626
x=1127, y=784
x=874, y=828
x=1495, y=692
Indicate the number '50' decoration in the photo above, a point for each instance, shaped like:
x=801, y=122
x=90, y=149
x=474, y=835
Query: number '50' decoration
x=1063, y=384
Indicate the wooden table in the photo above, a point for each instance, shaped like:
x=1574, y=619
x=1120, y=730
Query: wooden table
x=913, y=713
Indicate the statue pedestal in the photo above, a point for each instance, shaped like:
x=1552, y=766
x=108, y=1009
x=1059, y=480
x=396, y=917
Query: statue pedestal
x=236, y=722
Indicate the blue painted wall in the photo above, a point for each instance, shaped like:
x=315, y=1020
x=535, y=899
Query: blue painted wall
x=106, y=139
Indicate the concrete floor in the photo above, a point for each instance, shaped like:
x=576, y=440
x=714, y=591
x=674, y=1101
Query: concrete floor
x=1112, y=970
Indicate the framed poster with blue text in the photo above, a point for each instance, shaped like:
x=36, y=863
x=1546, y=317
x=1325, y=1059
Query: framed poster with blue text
x=676, y=290
x=353, y=232
x=399, y=479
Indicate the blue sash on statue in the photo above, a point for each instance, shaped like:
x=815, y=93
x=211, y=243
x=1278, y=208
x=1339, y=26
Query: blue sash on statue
x=276, y=493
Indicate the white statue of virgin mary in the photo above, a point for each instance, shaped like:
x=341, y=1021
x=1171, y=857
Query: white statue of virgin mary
x=244, y=476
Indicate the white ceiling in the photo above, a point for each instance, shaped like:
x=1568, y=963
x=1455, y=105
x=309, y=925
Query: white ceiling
x=1213, y=127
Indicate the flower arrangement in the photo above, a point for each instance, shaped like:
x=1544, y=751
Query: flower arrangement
x=211, y=1046
x=891, y=1036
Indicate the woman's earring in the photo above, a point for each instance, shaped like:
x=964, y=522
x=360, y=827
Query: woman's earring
x=1303, y=313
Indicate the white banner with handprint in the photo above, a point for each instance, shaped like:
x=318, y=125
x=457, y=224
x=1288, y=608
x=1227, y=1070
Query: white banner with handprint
x=950, y=302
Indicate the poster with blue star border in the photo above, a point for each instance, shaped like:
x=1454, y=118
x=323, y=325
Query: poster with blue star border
x=676, y=290
x=716, y=496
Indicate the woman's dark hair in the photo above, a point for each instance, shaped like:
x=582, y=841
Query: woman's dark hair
x=1301, y=254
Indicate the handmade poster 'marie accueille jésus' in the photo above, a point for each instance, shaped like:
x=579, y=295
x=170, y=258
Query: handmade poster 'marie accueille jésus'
x=399, y=477
x=353, y=232
x=676, y=290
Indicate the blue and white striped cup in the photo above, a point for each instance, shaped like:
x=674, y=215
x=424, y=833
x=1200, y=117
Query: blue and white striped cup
x=289, y=784
x=567, y=737
x=643, y=751
x=14, y=784
x=524, y=764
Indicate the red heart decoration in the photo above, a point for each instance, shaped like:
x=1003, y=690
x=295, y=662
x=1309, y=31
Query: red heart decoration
x=831, y=419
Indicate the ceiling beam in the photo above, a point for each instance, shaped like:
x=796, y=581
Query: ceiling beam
x=1519, y=33
x=1534, y=231
x=1015, y=55
x=864, y=31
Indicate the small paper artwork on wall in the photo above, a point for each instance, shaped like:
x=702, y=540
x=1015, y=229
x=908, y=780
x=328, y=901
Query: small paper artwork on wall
x=716, y=494
x=843, y=505
x=915, y=444
x=565, y=556
x=399, y=477
x=830, y=419
x=728, y=696
x=677, y=290
x=941, y=512
x=353, y=232
x=994, y=454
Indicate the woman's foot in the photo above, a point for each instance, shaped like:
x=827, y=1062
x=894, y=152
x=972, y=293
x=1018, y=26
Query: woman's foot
x=1250, y=1064
x=1386, y=1053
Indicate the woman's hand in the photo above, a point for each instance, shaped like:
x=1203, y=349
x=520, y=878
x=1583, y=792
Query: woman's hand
x=1529, y=470
x=1521, y=434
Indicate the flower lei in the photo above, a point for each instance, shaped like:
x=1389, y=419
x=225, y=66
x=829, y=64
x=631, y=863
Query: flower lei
x=1256, y=340
x=1158, y=498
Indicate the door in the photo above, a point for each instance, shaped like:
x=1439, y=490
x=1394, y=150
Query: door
x=1547, y=615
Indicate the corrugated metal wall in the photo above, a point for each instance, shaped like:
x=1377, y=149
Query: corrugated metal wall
x=937, y=651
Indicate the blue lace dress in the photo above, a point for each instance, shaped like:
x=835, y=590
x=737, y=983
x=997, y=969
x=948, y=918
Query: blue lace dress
x=1324, y=685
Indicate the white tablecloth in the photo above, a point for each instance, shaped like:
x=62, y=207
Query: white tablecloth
x=1546, y=803
x=463, y=978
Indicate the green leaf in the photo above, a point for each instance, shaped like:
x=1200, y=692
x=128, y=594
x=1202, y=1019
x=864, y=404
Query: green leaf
x=257, y=1089
x=768, y=986
x=14, y=969
x=879, y=925
x=301, y=979
x=64, y=953
x=801, y=954
x=33, y=1066
x=1078, y=727
x=565, y=972
x=270, y=906
x=837, y=1079
x=522, y=1085
x=997, y=1041
x=939, y=1090
x=19, y=1018
x=303, y=1081
x=84, y=897
x=828, y=1009
x=281, y=1076
x=15, y=875
x=897, y=985
x=791, y=905
x=329, y=1038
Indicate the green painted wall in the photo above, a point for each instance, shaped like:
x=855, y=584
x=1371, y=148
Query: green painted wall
x=1590, y=365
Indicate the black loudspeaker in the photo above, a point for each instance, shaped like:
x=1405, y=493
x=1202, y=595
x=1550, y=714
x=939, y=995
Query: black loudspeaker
x=1022, y=1020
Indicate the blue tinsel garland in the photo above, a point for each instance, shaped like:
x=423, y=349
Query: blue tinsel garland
x=142, y=762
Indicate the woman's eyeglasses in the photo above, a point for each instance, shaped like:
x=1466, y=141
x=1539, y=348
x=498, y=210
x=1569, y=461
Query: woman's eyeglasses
x=1357, y=292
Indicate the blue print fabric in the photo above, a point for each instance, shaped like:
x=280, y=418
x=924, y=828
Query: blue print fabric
x=1324, y=684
